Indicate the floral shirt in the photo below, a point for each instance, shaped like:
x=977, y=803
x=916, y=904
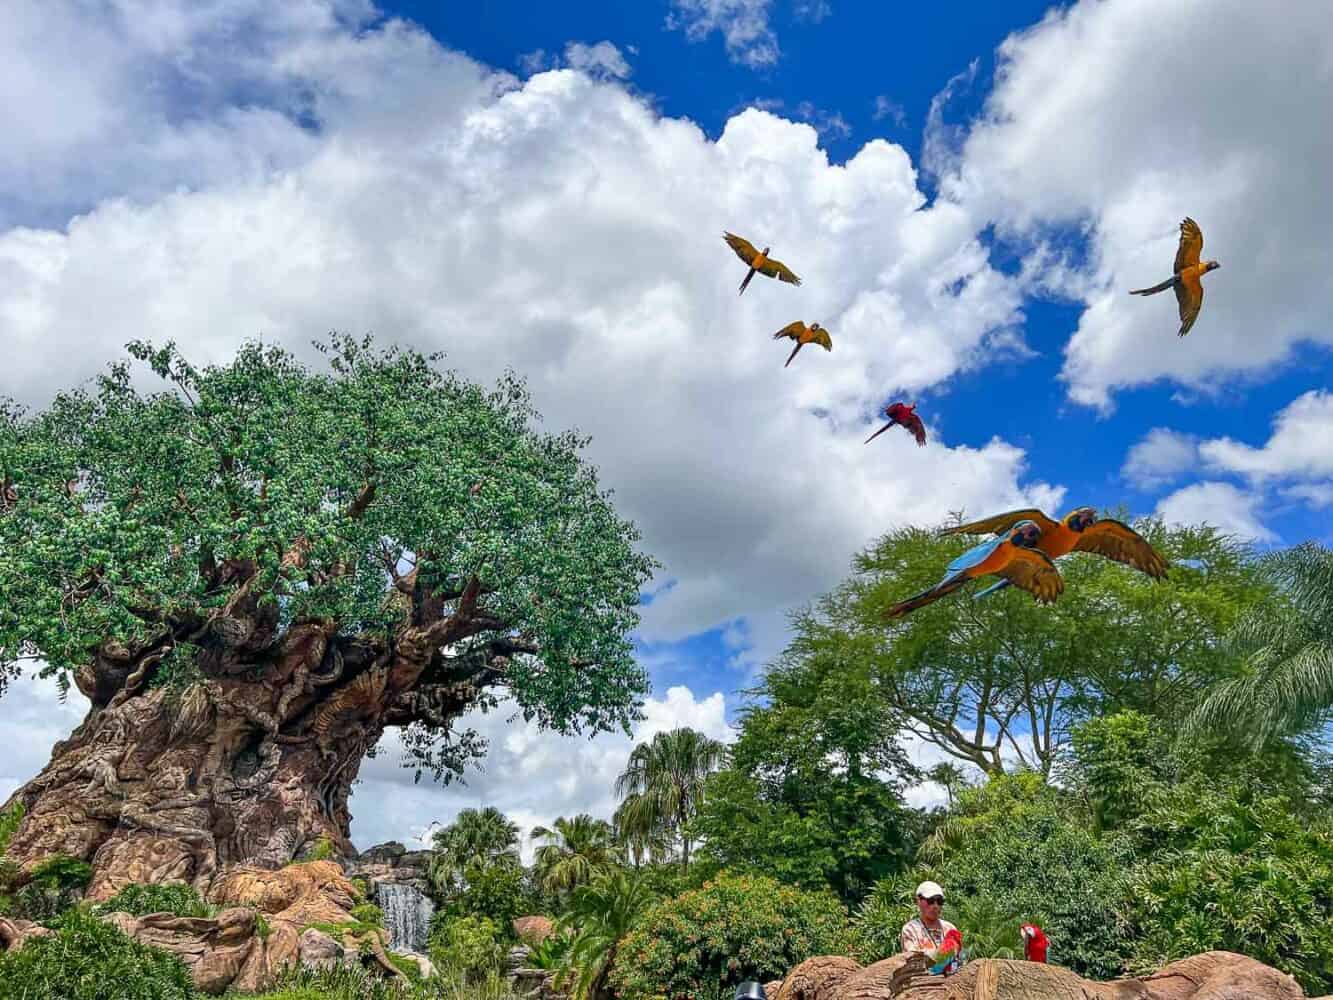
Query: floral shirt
x=916, y=936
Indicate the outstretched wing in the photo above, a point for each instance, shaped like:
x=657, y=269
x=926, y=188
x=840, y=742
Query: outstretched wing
x=744, y=249
x=1034, y=572
x=976, y=555
x=913, y=423
x=792, y=330
x=822, y=338
x=1191, y=245
x=1002, y=522
x=1189, y=296
x=1118, y=541
x=777, y=269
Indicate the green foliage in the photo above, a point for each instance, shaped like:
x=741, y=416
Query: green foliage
x=233, y=464
x=50, y=889
x=497, y=891
x=9, y=822
x=87, y=959
x=475, y=868
x=342, y=982
x=550, y=952
x=601, y=913
x=369, y=914
x=469, y=947
x=262, y=927
x=704, y=943
x=661, y=789
x=60, y=871
x=1015, y=850
x=322, y=851
x=572, y=851
x=161, y=897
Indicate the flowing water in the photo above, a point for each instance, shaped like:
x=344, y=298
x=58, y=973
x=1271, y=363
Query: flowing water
x=407, y=914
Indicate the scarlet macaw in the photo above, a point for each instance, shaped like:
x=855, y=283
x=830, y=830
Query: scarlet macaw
x=1081, y=530
x=1188, y=270
x=758, y=261
x=802, y=334
x=1034, y=943
x=904, y=415
x=1012, y=555
x=948, y=953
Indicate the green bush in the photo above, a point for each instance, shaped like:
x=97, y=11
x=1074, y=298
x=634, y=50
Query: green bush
x=734, y=928
x=342, y=982
x=51, y=888
x=368, y=913
x=469, y=947
x=175, y=898
x=322, y=851
x=87, y=959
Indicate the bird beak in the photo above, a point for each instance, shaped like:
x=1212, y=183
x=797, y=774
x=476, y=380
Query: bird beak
x=880, y=431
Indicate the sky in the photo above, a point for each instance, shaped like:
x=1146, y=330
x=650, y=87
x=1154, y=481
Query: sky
x=968, y=192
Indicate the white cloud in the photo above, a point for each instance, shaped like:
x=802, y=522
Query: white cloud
x=826, y=123
x=1301, y=445
x=886, y=107
x=813, y=11
x=602, y=60
x=1127, y=116
x=1225, y=507
x=743, y=24
x=1162, y=457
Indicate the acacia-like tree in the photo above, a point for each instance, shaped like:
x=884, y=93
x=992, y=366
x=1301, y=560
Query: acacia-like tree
x=252, y=574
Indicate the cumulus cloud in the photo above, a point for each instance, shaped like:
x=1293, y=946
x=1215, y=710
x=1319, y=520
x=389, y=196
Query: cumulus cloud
x=602, y=60
x=1097, y=121
x=1300, y=447
x=1222, y=505
x=1162, y=457
x=743, y=25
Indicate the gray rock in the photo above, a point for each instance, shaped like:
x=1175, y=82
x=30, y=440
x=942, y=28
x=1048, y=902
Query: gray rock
x=318, y=950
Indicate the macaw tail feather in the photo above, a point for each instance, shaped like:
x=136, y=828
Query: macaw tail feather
x=793, y=353
x=926, y=597
x=1155, y=288
x=748, y=276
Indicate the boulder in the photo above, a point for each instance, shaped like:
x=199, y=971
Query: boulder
x=318, y=950
x=533, y=930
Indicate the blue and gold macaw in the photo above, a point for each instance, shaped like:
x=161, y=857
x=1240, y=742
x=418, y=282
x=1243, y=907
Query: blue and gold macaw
x=1013, y=556
x=1081, y=530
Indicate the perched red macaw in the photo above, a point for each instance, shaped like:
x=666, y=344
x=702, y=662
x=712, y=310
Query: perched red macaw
x=948, y=954
x=905, y=416
x=1034, y=943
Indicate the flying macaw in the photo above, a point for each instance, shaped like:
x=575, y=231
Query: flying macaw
x=1081, y=530
x=1035, y=943
x=802, y=334
x=1012, y=555
x=759, y=261
x=905, y=416
x=1188, y=270
x=947, y=954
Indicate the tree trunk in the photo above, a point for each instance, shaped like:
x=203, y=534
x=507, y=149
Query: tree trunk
x=251, y=763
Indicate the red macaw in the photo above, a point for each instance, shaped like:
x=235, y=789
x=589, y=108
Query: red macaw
x=1034, y=943
x=904, y=415
x=948, y=954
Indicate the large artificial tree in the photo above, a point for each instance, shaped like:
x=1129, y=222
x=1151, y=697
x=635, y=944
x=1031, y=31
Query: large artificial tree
x=254, y=572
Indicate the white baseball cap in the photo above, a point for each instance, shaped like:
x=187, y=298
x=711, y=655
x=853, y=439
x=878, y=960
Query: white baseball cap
x=927, y=890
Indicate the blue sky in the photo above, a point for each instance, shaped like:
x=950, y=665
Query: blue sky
x=969, y=191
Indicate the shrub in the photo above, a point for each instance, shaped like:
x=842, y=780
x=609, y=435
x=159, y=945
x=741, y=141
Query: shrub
x=368, y=913
x=175, y=898
x=703, y=943
x=469, y=947
x=87, y=959
x=342, y=982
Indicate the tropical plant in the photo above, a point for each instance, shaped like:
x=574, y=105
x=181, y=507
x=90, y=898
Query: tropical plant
x=662, y=786
x=468, y=947
x=159, y=897
x=600, y=914
x=572, y=851
x=1288, y=644
x=477, y=838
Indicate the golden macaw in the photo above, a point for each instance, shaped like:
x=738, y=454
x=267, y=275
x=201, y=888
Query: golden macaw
x=1188, y=271
x=759, y=261
x=1012, y=555
x=1081, y=530
x=802, y=334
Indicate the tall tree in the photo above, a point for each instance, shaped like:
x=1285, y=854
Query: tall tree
x=662, y=785
x=572, y=851
x=253, y=574
x=1287, y=687
x=600, y=914
x=1005, y=677
x=476, y=839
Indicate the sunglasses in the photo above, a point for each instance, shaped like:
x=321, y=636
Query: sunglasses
x=937, y=900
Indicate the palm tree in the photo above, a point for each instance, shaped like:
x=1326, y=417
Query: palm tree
x=601, y=913
x=950, y=775
x=574, y=850
x=1288, y=687
x=663, y=783
x=636, y=835
x=475, y=837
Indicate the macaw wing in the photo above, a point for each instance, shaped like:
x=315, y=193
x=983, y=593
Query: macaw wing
x=744, y=248
x=975, y=556
x=822, y=338
x=1118, y=541
x=1034, y=572
x=792, y=330
x=1002, y=522
x=1191, y=245
x=918, y=430
x=1189, y=296
x=777, y=269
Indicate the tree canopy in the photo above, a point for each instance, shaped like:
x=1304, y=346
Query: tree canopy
x=412, y=518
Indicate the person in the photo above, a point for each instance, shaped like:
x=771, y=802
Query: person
x=926, y=931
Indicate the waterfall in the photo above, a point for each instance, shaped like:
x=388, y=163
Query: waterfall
x=407, y=914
